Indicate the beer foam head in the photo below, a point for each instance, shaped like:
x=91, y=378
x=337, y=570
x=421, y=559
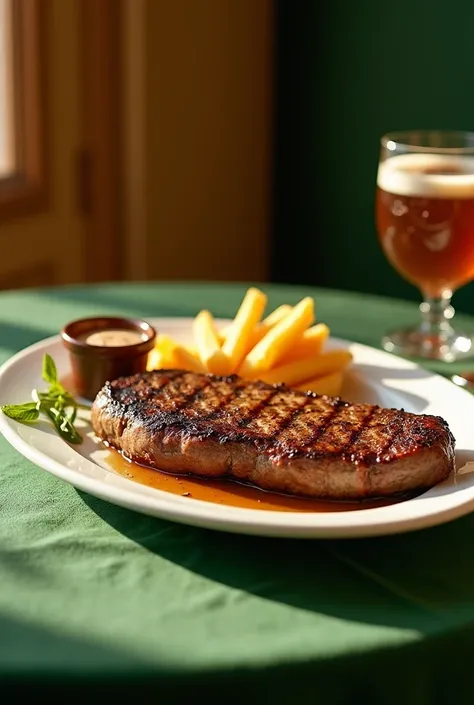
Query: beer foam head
x=428, y=175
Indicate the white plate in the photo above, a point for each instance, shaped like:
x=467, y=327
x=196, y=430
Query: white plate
x=375, y=377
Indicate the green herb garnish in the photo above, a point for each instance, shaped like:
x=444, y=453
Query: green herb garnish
x=56, y=403
x=28, y=413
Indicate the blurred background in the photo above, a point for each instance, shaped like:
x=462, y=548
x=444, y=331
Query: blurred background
x=215, y=139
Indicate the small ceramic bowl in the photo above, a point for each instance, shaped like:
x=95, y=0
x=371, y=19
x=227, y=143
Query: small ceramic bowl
x=104, y=348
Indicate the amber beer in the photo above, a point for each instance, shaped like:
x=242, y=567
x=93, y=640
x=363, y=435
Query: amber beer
x=425, y=219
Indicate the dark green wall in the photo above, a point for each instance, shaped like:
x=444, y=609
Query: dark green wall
x=348, y=71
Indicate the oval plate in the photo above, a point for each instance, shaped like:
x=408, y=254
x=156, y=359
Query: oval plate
x=374, y=377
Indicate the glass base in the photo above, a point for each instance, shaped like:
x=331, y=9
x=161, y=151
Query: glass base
x=413, y=342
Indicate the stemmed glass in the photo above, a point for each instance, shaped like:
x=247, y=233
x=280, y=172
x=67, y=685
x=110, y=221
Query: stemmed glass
x=425, y=225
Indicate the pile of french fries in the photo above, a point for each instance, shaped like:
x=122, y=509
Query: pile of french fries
x=285, y=346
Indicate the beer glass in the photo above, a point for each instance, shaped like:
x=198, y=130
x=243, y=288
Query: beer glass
x=425, y=225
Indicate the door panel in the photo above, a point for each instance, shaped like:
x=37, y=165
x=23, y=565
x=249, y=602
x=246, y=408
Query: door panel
x=46, y=245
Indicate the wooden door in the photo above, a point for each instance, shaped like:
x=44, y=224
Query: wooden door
x=53, y=119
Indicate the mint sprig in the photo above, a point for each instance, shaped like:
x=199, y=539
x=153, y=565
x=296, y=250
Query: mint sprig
x=49, y=370
x=56, y=403
x=28, y=413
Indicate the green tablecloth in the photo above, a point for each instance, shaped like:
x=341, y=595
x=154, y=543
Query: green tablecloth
x=92, y=594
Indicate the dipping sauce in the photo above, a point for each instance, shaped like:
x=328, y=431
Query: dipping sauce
x=114, y=337
x=232, y=493
x=103, y=348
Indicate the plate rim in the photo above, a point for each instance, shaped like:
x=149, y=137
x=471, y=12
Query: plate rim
x=231, y=519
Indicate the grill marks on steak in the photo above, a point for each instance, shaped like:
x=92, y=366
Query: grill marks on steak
x=270, y=435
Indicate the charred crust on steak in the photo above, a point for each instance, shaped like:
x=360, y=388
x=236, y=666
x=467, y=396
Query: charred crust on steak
x=276, y=420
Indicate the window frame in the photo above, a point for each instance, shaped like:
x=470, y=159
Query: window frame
x=26, y=190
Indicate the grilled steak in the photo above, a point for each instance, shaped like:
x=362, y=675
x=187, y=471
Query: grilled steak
x=271, y=436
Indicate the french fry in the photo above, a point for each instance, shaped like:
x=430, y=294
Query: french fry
x=162, y=355
x=207, y=343
x=329, y=384
x=310, y=344
x=165, y=343
x=261, y=328
x=294, y=373
x=153, y=361
x=271, y=320
x=278, y=340
x=187, y=360
x=249, y=314
x=276, y=315
x=168, y=353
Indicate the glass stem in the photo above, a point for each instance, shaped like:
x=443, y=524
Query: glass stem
x=436, y=314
